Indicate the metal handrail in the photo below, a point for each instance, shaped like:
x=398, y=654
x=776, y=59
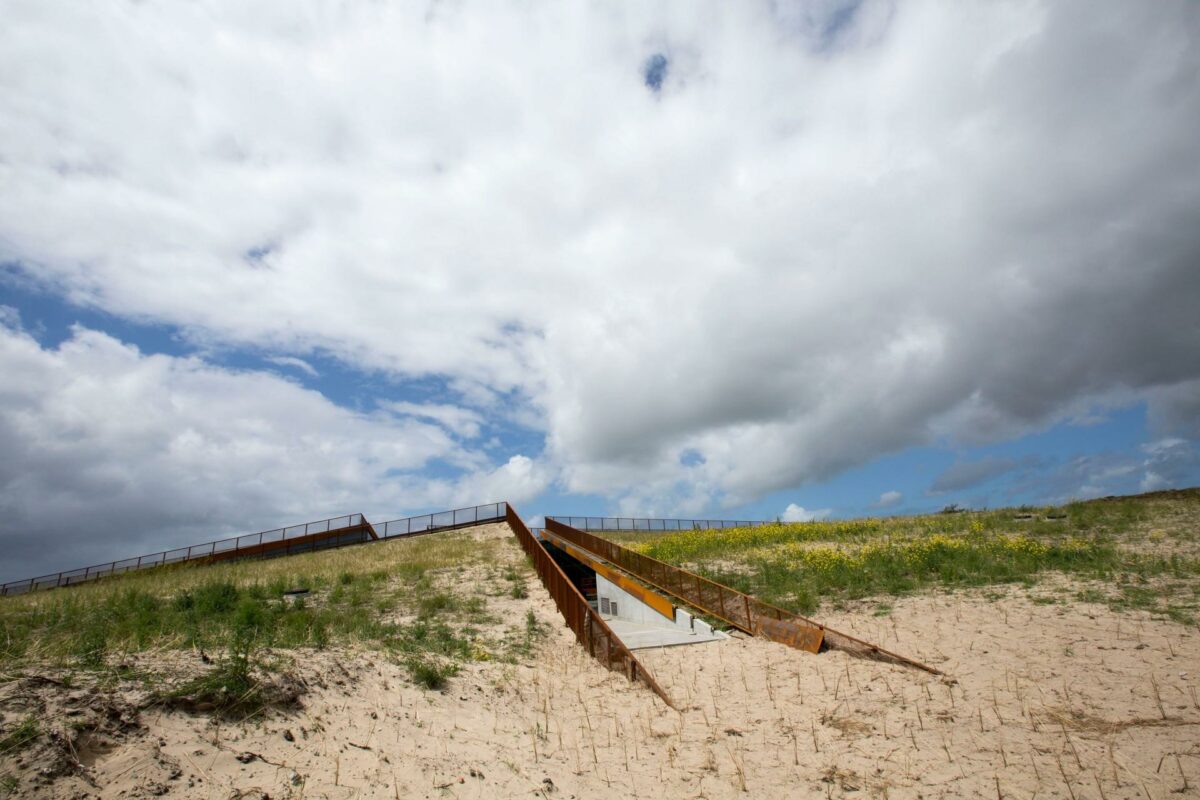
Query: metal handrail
x=405, y=526
x=654, y=523
x=230, y=547
x=180, y=554
x=442, y=520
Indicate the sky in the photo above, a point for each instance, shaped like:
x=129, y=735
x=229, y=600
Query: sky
x=269, y=262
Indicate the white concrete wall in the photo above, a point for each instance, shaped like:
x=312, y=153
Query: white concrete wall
x=628, y=606
x=634, y=610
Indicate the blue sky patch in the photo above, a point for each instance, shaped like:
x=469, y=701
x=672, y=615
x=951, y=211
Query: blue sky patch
x=654, y=71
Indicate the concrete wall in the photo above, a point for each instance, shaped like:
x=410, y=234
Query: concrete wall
x=633, y=610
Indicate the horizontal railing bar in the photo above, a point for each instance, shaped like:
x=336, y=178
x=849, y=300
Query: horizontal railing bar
x=654, y=524
x=229, y=547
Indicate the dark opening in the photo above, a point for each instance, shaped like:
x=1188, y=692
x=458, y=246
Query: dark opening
x=580, y=574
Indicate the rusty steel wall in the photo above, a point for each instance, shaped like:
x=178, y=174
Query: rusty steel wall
x=591, y=631
x=738, y=609
x=741, y=610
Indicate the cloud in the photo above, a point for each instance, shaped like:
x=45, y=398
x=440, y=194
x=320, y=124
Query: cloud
x=795, y=513
x=889, y=499
x=1175, y=410
x=967, y=474
x=109, y=452
x=1169, y=462
x=1152, y=481
x=460, y=421
x=519, y=480
x=836, y=232
x=1162, y=463
x=294, y=363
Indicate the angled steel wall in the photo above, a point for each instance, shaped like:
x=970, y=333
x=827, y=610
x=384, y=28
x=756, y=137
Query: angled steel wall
x=591, y=631
x=741, y=610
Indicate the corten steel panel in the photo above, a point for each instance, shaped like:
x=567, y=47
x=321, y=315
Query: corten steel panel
x=738, y=609
x=313, y=541
x=653, y=600
x=591, y=631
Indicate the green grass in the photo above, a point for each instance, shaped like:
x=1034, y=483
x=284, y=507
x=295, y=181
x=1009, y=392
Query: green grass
x=1141, y=548
x=402, y=597
x=20, y=737
x=522, y=642
x=430, y=673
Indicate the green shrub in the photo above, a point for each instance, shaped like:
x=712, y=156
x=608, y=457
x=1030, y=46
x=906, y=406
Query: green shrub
x=429, y=673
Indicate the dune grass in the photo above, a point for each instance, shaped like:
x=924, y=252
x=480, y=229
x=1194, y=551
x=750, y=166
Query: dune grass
x=403, y=597
x=1142, y=548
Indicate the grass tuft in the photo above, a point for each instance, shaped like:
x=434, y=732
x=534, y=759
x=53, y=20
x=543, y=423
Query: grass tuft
x=430, y=673
x=20, y=737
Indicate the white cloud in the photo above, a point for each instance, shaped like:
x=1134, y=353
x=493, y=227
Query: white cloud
x=1152, y=481
x=295, y=363
x=109, y=452
x=795, y=513
x=1159, y=447
x=519, y=480
x=889, y=499
x=460, y=421
x=807, y=250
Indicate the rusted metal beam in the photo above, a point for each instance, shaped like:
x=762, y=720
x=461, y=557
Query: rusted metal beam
x=591, y=631
x=296, y=545
x=753, y=616
x=652, y=599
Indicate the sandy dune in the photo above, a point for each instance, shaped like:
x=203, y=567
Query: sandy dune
x=1045, y=700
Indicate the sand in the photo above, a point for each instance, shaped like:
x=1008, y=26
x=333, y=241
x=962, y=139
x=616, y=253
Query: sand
x=1046, y=700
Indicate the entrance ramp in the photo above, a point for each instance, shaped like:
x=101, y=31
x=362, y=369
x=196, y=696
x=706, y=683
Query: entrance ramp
x=589, y=627
x=647, y=635
x=740, y=610
x=639, y=625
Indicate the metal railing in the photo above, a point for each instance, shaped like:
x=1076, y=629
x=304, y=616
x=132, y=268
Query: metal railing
x=654, y=524
x=221, y=547
x=443, y=520
x=728, y=604
x=273, y=543
x=591, y=631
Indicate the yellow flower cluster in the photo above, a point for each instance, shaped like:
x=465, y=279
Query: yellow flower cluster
x=1018, y=546
x=690, y=543
x=826, y=559
x=793, y=544
x=914, y=552
x=1075, y=546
